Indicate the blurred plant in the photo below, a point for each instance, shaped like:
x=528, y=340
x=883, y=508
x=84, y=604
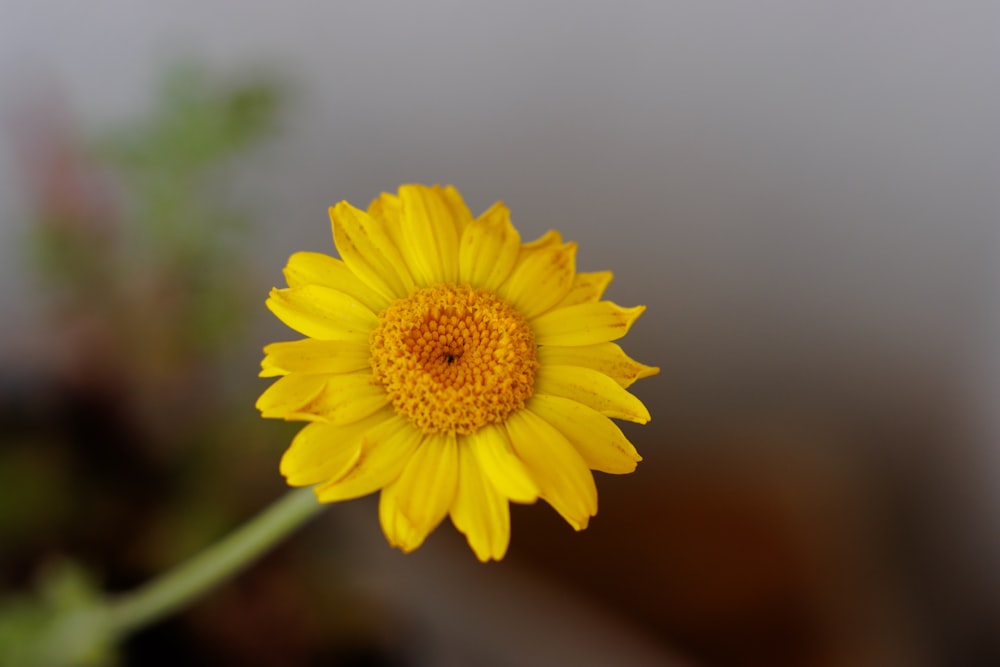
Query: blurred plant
x=171, y=165
x=175, y=270
x=141, y=253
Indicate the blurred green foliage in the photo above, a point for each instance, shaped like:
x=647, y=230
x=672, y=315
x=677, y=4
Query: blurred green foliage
x=132, y=449
x=176, y=243
x=62, y=625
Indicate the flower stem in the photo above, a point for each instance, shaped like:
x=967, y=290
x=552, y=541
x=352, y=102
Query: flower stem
x=175, y=588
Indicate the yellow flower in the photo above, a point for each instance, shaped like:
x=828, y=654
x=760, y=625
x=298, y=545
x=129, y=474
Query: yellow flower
x=451, y=367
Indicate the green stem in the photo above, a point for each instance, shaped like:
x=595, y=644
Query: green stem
x=176, y=588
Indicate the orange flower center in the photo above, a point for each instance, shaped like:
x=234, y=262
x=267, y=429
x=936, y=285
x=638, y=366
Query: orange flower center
x=454, y=359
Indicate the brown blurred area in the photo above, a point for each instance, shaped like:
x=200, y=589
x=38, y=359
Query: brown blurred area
x=803, y=196
x=760, y=544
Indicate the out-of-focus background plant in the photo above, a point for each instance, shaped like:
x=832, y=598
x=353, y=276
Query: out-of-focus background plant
x=136, y=444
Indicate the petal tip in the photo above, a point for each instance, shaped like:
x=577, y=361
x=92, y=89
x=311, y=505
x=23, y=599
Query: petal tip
x=642, y=417
x=630, y=315
x=647, y=371
x=338, y=207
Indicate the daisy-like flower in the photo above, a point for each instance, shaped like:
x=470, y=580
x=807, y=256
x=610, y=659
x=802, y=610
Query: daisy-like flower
x=451, y=367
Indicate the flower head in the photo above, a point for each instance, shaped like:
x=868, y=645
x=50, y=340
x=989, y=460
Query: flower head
x=451, y=367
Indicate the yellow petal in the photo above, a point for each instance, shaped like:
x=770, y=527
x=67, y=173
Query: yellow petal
x=585, y=324
x=322, y=312
x=602, y=445
x=591, y=388
x=323, y=452
x=479, y=511
x=491, y=450
x=587, y=288
x=546, y=241
x=369, y=251
x=564, y=479
x=314, y=268
x=456, y=206
x=456, y=203
x=348, y=397
x=289, y=394
x=489, y=249
x=607, y=358
x=388, y=209
x=312, y=356
x=335, y=398
x=385, y=450
x=429, y=236
x=540, y=280
x=398, y=530
x=417, y=501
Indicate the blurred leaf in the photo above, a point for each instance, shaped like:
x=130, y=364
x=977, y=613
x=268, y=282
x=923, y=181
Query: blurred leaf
x=197, y=122
x=172, y=258
x=64, y=625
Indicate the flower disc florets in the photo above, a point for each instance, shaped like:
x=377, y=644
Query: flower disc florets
x=454, y=359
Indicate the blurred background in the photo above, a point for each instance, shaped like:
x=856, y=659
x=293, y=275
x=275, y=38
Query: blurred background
x=803, y=194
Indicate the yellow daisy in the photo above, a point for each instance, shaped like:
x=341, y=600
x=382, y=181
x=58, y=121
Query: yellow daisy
x=451, y=367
